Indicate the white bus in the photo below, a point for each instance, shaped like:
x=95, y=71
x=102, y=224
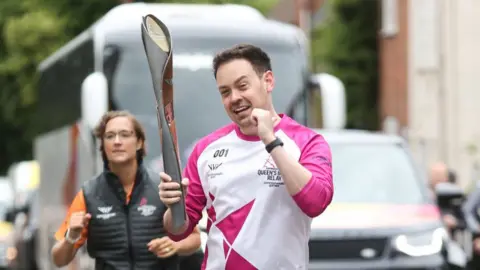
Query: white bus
x=105, y=68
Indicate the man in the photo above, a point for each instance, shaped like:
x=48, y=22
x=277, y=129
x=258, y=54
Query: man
x=262, y=178
x=119, y=211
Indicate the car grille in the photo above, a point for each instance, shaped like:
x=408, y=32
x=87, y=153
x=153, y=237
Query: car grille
x=347, y=249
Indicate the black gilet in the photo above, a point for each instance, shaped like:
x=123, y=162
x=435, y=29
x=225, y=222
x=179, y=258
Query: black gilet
x=118, y=233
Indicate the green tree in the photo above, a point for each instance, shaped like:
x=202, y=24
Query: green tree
x=28, y=34
x=345, y=45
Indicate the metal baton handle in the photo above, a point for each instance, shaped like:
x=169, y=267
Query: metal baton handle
x=158, y=48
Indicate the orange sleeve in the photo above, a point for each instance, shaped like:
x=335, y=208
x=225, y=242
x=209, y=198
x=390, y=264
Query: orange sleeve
x=78, y=205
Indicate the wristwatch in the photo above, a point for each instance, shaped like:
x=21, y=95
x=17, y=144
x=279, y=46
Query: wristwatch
x=277, y=142
x=69, y=239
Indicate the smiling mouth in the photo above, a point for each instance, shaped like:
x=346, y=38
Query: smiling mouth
x=241, y=109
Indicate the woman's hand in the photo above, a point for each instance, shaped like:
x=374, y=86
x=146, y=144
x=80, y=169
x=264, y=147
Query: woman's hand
x=163, y=247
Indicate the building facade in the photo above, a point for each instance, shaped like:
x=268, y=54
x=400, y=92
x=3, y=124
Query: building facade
x=429, y=66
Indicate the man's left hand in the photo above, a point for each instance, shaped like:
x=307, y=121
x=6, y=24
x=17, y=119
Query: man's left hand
x=264, y=121
x=163, y=247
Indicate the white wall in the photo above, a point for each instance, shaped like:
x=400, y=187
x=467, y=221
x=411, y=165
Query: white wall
x=444, y=80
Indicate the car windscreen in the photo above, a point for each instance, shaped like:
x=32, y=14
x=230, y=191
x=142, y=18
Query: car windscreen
x=375, y=173
x=198, y=106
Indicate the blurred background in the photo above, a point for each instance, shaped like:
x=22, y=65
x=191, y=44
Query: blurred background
x=390, y=83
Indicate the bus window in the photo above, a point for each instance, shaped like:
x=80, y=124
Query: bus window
x=315, y=114
x=59, y=87
x=200, y=109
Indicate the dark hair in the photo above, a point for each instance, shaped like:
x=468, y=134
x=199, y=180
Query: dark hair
x=259, y=59
x=452, y=177
x=137, y=128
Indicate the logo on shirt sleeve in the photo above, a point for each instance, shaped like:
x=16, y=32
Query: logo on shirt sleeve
x=271, y=173
x=323, y=161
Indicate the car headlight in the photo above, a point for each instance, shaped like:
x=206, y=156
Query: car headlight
x=421, y=244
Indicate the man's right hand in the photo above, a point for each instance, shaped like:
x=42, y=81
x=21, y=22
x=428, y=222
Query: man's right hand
x=450, y=221
x=169, y=190
x=78, y=221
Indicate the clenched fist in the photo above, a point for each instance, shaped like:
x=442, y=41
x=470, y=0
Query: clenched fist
x=78, y=221
x=169, y=191
x=264, y=121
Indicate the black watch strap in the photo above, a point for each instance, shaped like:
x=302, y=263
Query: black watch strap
x=277, y=142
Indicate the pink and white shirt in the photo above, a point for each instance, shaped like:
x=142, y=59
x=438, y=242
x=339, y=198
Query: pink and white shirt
x=253, y=222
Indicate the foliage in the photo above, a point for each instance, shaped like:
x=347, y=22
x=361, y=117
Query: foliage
x=28, y=33
x=31, y=30
x=345, y=45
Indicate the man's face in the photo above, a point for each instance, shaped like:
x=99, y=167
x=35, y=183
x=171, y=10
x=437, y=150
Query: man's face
x=242, y=89
x=120, y=141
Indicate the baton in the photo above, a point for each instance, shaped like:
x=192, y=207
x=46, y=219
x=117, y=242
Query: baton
x=157, y=43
